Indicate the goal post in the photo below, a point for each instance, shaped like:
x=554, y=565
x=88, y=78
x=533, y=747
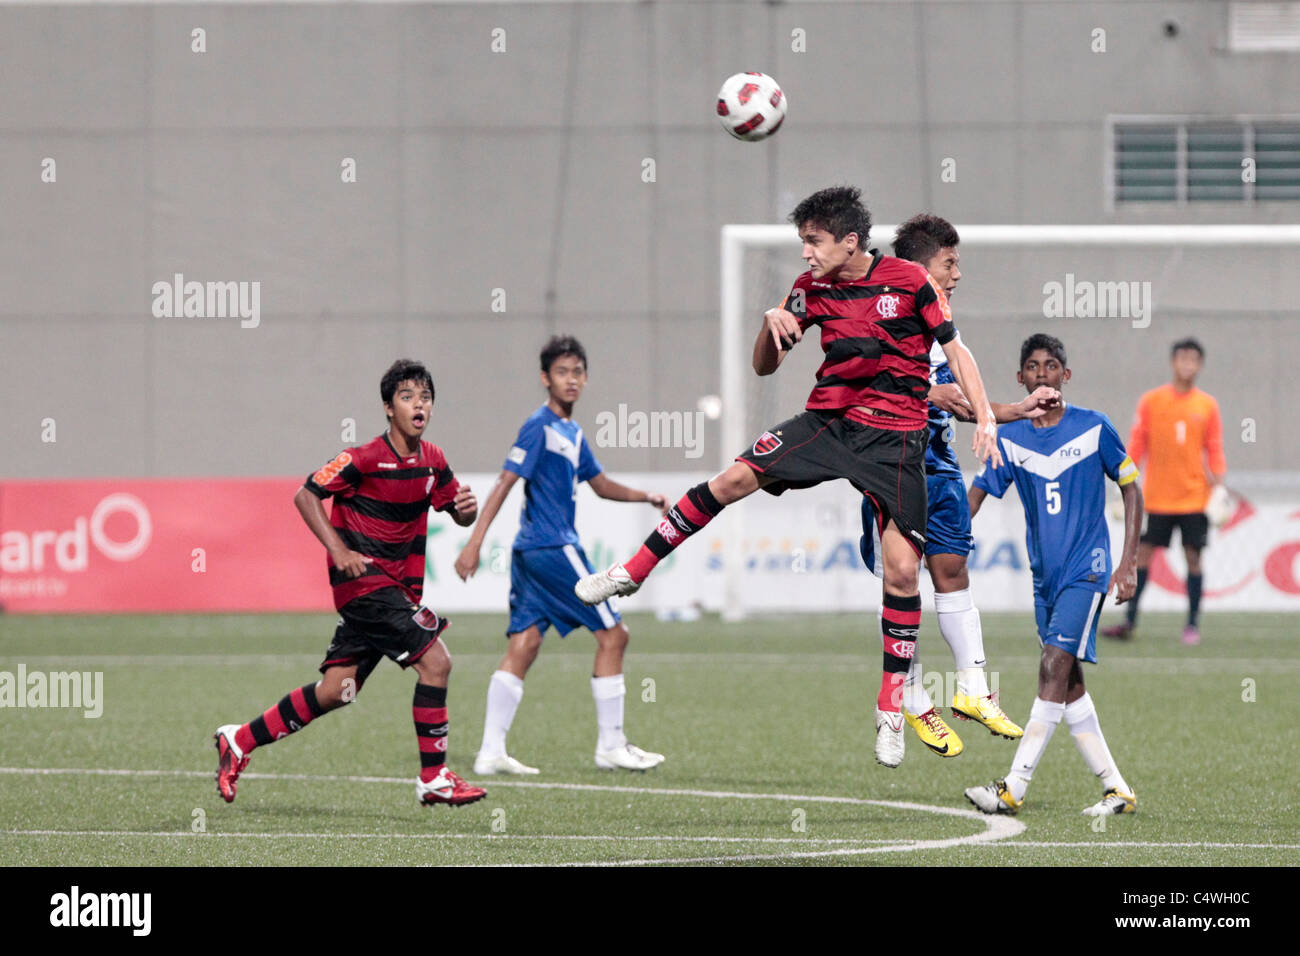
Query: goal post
x=739, y=316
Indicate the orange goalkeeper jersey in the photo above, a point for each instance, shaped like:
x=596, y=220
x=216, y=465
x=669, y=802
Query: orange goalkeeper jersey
x=1175, y=431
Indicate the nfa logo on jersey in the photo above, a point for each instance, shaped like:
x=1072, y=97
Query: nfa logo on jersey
x=887, y=306
x=766, y=444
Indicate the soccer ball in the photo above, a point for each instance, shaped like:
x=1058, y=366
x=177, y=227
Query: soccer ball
x=751, y=106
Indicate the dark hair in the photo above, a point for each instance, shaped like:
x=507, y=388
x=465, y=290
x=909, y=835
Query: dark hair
x=561, y=345
x=1188, y=343
x=1040, y=340
x=403, y=370
x=921, y=237
x=839, y=210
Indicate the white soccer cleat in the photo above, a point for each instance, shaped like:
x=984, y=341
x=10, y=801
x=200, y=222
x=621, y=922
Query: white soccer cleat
x=1113, y=800
x=603, y=585
x=889, y=738
x=502, y=763
x=995, y=797
x=627, y=757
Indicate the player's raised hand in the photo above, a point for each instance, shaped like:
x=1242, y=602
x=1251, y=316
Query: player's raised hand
x=467, y=562
x=784, y=328
x=951, y=399
x=986, y=445
x=465, y=503
x=1124, y=581
x=658, y=500
x=351, y=563
x=1039, y=402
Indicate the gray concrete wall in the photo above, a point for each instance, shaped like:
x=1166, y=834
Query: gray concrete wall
x=522, y=171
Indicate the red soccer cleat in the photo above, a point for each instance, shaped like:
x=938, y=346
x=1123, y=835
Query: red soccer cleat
x=230, y=761
x=447, y=788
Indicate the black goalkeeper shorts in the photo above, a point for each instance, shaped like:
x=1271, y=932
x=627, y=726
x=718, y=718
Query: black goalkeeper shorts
x=378, y=625
x=887, y=466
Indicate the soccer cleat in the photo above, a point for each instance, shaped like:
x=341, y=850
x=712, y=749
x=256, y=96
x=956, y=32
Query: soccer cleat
x=1121, y=632
x=615, y=582
x=986, y=711
x=447, y=788
x=1191, y=635
x=627, y=757
x=502, y=763
x=889, y=738
x=994, y=798
x=934, y=733
x=230, y=761
x=1113, y=800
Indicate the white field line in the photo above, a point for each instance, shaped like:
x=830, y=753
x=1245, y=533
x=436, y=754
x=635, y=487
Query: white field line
x=995, y=828
x=1137, y=843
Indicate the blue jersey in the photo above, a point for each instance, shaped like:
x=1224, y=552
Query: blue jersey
x=940, y=459
x=551, y=456
x=1061, y=475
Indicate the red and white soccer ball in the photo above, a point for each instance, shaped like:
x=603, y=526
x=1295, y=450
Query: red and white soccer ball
x=751, y=106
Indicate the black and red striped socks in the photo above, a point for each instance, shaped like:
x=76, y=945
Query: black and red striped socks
x=296, y=710
x=430, y=712
x=696, y=509
x=900, y=622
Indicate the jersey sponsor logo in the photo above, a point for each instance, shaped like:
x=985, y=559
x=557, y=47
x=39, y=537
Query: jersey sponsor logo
x=387, y=464
x=331, y=470
x=517, y=455
x=887, y=306
x=766, y=444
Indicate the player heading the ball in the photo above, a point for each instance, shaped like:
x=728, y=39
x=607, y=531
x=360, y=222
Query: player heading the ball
x=865, y=419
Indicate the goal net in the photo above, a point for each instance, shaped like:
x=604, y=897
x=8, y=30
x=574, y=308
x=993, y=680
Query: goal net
x=1118, y=296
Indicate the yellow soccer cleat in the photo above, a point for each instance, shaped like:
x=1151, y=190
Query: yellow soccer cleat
x=934, y=733
x=987, y=712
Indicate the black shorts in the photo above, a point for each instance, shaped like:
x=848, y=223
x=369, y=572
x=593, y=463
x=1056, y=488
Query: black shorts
x=381, y=624
x=885, y=465
x=1193, y=530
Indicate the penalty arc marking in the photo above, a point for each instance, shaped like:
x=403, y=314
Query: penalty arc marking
x=995, y=828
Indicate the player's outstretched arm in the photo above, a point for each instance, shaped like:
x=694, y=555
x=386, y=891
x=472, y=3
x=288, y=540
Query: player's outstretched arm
x=468, y=560
x=608, y=488
x=967, y=373
x=1034, y=405
x=1124, y=581
x=778, y=335
x=975, y=497
x=352, y=563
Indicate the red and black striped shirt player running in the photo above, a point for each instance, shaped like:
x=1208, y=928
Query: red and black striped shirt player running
x=865, y=419
x=374, y=540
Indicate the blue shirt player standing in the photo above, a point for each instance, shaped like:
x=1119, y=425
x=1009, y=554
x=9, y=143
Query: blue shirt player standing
x=552, y=456
x=1059, y=464
x=932, y=242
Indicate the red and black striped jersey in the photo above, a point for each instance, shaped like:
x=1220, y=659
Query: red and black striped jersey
x=381, y=510
x=876, y=332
